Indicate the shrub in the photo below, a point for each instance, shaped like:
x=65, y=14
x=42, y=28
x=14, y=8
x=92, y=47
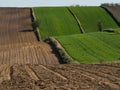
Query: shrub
x=100, y=26
x=35, y=24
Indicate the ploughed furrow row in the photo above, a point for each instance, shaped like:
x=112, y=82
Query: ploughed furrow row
x=16, y=24
x=117, y=65
x=54, y=77
x=27, y=55
x=22, y=77
x=74, y=77
x=18, y=43
x=4, y=73
x=108, y=70
x=48, y=79
x=102, y=81
x=107, y=79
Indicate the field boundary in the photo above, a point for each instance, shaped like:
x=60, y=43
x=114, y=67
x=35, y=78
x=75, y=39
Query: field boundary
x=61, y=51
x=37, y=31
x=78, y=21
x=112, y=16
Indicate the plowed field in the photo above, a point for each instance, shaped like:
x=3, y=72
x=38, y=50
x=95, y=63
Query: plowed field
x=60, y=77
x=18, y=43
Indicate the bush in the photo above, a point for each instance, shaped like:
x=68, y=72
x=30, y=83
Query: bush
x=35, y=24
x=63, y=54
x=100, y=26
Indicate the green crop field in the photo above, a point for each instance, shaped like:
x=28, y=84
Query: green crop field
x=117, y=30
x=92, y=18
x=92, y=47
x=97, y=47
x=55, y=21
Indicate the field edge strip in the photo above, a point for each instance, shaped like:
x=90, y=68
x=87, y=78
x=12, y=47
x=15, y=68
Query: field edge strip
x=77, y=20
x=65, y=57
x=34, y=22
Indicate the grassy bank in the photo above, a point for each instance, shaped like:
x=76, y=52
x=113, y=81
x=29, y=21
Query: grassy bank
x=92, y=47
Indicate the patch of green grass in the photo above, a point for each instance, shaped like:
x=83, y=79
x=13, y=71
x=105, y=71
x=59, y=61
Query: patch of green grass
x=55, y=21
x=117, y=30
x=93, y=18
x=92, y=48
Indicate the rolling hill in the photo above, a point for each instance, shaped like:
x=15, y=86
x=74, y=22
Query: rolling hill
x=92, y=18
x=97, y=47
x=55, y=21
x=114, y=10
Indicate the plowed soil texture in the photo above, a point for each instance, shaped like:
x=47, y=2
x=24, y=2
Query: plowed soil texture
x=18, y=43
x=60, y=77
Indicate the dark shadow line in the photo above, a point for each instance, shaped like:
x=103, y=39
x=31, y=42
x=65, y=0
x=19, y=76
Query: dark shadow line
x=113, y=17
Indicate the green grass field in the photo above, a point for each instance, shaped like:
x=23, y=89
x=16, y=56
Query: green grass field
x=97, y=47
x=55, y=21
x=89, y=48
x=90, y=17
x=117, y=30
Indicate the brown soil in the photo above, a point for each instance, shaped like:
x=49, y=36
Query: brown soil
x=18, y=43
x=60, y=77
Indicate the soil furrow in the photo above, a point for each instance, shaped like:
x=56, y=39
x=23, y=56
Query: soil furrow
x=111, y=81
x=16, y=31
x=53, y=72
x=31, y=73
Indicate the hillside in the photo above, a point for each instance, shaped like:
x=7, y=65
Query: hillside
x=92, y=18
x=18, y=43
x=114, y=10
x=29, y=63
x=93, y=47
x=55, y=21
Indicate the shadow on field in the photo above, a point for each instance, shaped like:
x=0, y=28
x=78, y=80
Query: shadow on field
x=55, y=51
x=26, y=31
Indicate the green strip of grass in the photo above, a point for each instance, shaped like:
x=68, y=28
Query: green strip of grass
x=117, y=30
x=90, y=17
x=93, y=47
x=55, y=21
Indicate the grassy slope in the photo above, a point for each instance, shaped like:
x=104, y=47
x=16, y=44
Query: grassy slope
x=56, y=21
x=92, y=47
x=117, y=30
x=90, y=16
